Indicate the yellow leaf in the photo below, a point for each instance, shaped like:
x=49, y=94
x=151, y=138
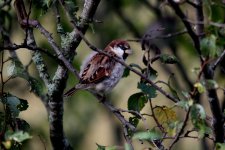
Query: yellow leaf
x=165, y=114
x=7, y=144
x=167, y=117
x=200, y=87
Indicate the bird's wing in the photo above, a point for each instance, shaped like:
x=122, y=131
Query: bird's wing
x=97, y=69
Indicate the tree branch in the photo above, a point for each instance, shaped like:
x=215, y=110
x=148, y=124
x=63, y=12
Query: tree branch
x=199, y=17
x=166, y=36
x=215, y=106
x=208, y=72
x=14, y=47
x=61, y=75
x=192, y=34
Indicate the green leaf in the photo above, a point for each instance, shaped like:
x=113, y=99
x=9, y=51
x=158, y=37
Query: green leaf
x=126, y=73
x=148, y=135
x=18, y=136
x=134, y=121
x=23, y=105
x=7, y=144
x=198, y=117
x=136, y=102
x=150, y=91
x=208, y=46
x=72, y=7
x=173, y=91
x=185, y=104
x=200, y=87
x=217, y=13
x=127, y=146
x=186, y=95
x=12, y=102
x=15, y=105
x=198, y=112
x=220, y=146
x=100, y=147
x=42, y=6
x=211, y=84
x=174, y=127
x=203, y=129
x=150, y=72
x=136, y=66
x=35, y=85
x=168, y=59
x=16, y=69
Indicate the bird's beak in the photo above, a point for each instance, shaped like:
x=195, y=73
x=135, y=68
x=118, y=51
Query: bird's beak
x=128, y=51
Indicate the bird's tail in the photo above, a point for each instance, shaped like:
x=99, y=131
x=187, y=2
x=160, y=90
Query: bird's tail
x=70, y=92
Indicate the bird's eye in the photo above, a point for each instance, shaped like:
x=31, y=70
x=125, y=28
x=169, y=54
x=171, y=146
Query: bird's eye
x=123, y=47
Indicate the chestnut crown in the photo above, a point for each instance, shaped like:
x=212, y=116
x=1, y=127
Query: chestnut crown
x=120, y=47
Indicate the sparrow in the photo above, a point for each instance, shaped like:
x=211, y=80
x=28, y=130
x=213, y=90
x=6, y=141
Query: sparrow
x=100, y=73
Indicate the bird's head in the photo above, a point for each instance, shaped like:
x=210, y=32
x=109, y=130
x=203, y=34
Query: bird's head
x=120, y=47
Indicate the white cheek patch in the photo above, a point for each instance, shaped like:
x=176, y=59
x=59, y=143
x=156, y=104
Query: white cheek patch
x=118, y=51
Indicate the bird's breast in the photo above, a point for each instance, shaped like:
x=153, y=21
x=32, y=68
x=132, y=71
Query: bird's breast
x=109, y=83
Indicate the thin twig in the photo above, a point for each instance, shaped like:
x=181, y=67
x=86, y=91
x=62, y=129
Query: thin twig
x=137, y=114
x=181, y=130
x=169, y=35
x=28, y=65
x=154, y=117
x=1, y=72
x=192, y=3
x=13, y=47
x=216, y=24
x=189, y=131
x=219, y=59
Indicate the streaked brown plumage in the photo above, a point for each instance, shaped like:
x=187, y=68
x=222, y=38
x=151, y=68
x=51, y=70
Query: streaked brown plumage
x=100, y=73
